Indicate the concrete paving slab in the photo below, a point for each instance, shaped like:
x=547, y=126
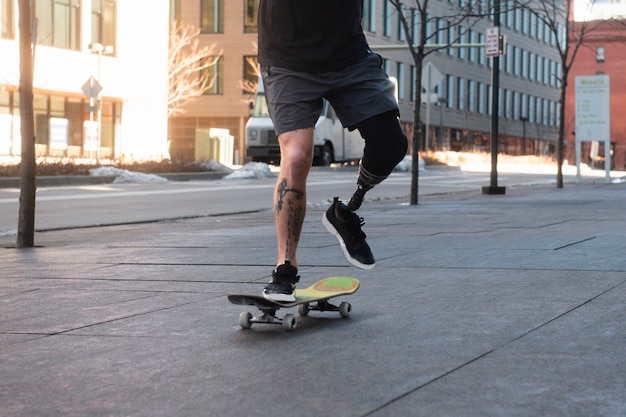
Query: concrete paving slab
x=478, y=306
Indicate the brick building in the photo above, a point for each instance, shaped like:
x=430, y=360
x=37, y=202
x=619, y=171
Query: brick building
x=603, y=52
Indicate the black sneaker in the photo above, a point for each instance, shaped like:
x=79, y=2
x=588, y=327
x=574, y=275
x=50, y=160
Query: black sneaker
x=346, y=226
x=283, y=286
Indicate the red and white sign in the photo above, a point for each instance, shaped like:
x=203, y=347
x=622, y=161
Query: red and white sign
x=90, y=133
x=492, y=43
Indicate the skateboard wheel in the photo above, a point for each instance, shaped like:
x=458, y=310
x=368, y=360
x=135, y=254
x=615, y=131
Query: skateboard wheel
x=303, y=309
x=289, y=322
x=344, y=309
x=244, y=319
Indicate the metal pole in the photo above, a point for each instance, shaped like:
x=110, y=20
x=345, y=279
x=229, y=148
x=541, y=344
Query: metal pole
x=427, y=111
x=100, y=50
x=524, y=119
x=495, y=87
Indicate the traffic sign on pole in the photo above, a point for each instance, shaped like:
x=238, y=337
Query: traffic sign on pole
x=492, y=43
x=92, y=87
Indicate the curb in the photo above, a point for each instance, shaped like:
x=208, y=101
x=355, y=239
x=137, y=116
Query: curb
x=65, y=180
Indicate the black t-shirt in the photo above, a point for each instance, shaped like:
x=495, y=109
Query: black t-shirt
x=311, y=35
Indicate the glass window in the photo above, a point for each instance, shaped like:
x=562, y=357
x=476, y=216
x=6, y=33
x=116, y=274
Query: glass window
x=439, y=35
x=461, y=51
x=412, y=83
x=450, y=90
x=103, y=22
x=251, y=10
x=507, y=104
x=481, y=98
x=211, y=16
x=600, y=54
x=400, y=78
x=451, y=39
x=216, y=76
x=7, y=24
x=40, y=110
x=400, y=28
x=369, y=15
x=415, y=23
x=58, y=23
x=175, y=10
x=74, y=115
x=250, y=74
x=472, y=51
x=387, y=12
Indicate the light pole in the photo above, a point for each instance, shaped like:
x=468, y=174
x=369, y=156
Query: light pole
x=523, y=119
x=99, y=49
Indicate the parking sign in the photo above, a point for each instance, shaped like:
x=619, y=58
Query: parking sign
x=492, y=44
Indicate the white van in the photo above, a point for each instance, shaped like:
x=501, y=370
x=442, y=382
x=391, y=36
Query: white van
x=332, y=142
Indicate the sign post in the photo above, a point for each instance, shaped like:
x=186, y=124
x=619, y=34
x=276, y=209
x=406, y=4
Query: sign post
x=92, y=89
x=431, y=76
x=493, y=49
x=593, y=117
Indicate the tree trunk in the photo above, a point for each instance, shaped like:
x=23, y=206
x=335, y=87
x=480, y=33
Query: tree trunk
x=26, y=221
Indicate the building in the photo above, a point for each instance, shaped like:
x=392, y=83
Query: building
x=131, y=65
x=461, y=118
x=603, y=52
x=77, y=40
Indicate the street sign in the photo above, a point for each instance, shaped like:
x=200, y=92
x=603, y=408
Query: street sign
x=431, y=76
x=492, y=43
x=593, y=117
x=92, y=88
x=429, y=98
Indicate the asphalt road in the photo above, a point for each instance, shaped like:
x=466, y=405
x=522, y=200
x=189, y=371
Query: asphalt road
x=96, y=205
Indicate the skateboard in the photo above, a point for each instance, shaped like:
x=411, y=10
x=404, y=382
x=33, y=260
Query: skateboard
x=313, y=298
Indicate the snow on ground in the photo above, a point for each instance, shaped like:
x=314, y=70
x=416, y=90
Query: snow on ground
x=213, y=165
x=248, y=171
x=251, y=170
x=123, y=176
x=405, y=164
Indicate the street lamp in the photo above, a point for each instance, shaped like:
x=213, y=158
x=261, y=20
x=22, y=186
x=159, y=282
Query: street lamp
x=523, y=119
x=99, y=49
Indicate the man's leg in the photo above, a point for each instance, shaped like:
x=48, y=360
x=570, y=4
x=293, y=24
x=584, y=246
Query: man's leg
x=385, y=146
x=296, y=149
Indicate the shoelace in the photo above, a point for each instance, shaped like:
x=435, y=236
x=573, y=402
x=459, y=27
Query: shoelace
x=355, y=223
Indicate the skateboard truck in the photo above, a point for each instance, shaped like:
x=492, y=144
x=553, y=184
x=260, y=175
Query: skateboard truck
x=246, y=319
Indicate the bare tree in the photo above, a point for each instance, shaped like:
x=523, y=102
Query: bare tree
x=26, y=218
x=463, y=17
x=557, y=17
x=189, y=63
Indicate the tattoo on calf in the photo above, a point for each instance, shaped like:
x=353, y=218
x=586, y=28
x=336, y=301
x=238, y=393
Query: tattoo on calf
x=295, y=213
x=282, y=191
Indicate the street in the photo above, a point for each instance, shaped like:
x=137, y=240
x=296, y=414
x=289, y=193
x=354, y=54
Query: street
x=108, y=204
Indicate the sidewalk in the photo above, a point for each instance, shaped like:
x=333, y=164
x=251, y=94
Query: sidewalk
x=479, y=306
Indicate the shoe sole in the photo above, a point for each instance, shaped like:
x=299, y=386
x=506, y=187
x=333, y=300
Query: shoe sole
x=284, y=298
x=331, y=229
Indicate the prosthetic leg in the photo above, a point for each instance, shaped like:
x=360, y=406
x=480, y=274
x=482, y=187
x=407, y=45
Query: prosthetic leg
x=385, y=146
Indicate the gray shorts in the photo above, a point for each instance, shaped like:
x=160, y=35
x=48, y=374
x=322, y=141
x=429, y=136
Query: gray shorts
x=361, y=91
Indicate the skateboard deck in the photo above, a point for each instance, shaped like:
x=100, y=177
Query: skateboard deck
x=313, y=298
